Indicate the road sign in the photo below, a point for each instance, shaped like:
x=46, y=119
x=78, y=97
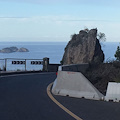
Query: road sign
x=36, y=62
x=18, y=62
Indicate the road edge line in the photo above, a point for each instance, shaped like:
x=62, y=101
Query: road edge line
x=59, y=104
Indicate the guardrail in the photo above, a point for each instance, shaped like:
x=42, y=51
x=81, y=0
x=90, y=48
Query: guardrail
x=20, y=64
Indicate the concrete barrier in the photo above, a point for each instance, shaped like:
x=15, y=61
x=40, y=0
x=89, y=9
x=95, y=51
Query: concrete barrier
x=53, y=67
x=74, y=84
x=113, y=92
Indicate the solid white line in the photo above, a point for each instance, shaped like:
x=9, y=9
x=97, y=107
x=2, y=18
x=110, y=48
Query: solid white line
x=26, y=74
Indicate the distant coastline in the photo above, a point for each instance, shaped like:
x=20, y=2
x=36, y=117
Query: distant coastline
x=13, y=49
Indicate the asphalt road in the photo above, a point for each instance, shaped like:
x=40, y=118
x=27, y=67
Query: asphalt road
x=24, y=97
x=91, y=109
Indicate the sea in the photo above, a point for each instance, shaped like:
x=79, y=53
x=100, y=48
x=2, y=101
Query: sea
x=38, y=50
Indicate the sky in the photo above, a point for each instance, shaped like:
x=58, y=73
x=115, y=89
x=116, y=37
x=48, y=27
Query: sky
x=57, y=20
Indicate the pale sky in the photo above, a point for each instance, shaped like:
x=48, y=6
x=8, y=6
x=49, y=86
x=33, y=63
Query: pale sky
x=56, y=20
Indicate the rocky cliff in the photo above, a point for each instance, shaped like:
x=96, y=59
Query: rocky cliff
x=83, y=48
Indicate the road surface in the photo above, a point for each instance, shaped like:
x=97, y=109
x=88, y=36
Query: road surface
x=24, y=97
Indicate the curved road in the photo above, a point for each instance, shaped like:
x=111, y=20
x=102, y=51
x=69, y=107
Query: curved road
x=24, y=97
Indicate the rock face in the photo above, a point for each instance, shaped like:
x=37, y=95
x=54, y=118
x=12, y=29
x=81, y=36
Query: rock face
x=83, y=48
x=13, y=49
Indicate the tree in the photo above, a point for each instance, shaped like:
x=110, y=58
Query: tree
x=117, y=54
x=101, y=36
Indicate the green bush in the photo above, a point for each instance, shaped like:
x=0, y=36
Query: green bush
x=117, y=54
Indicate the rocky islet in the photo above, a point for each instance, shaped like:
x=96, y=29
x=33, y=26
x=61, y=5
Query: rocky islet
x=13, y=49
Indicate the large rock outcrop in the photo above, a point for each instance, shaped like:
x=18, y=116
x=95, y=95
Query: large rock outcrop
x=83, y=48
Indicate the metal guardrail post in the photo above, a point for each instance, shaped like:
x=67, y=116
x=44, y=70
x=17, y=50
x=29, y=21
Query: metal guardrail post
x=5, y=65
x=25, y=65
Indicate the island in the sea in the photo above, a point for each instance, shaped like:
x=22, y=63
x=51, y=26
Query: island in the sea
x=13, y=49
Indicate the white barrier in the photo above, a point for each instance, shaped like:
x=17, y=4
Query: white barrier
x=75, y=84
x=113, y=92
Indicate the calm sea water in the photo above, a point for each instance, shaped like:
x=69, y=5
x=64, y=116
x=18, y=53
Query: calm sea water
x=39, y=50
